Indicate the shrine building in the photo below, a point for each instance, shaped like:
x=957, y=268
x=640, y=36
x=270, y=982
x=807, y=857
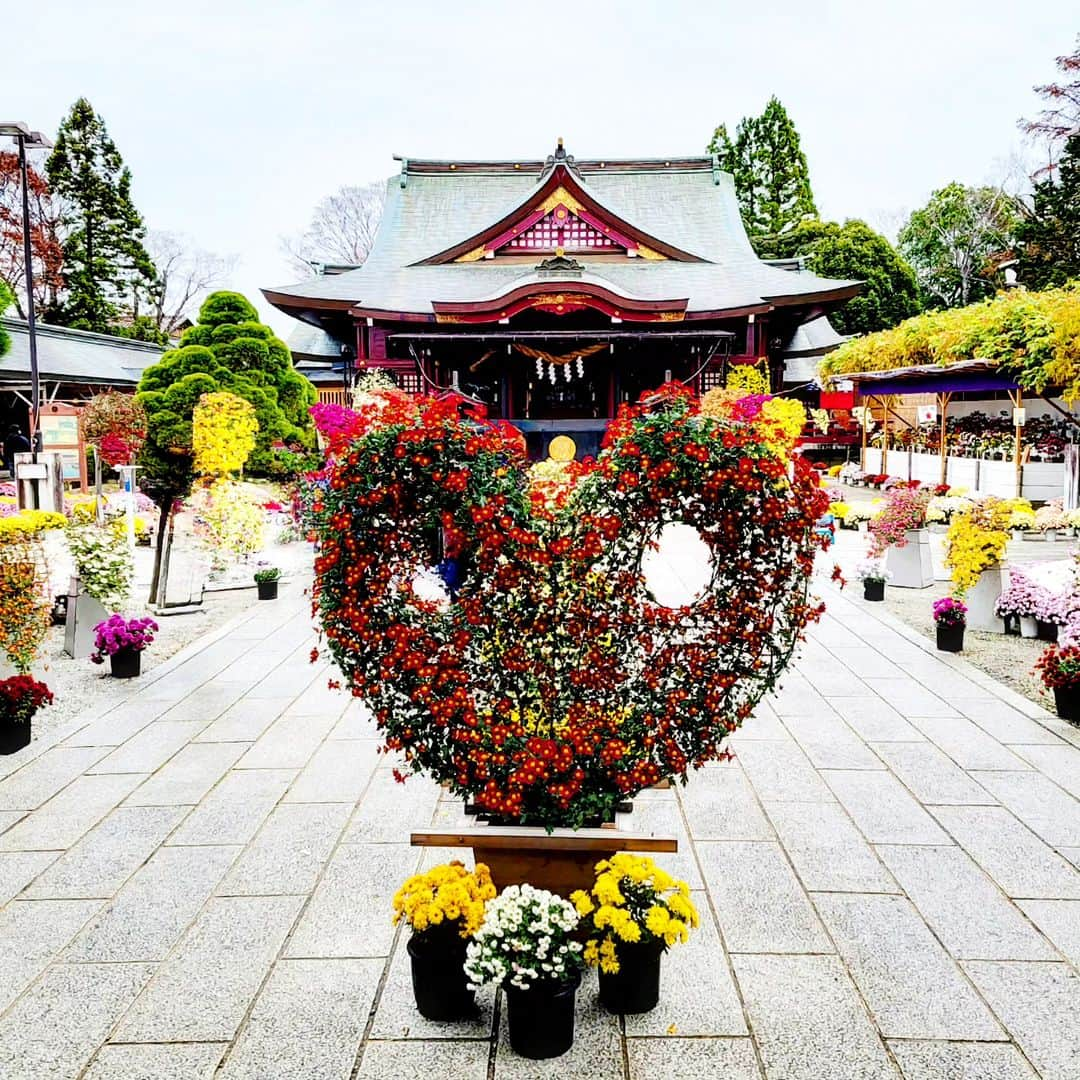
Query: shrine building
x=553, y=290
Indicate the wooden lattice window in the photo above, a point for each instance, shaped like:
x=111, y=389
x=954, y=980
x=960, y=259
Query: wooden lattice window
x=711, y=380
x=561, y=229
x=409, y=381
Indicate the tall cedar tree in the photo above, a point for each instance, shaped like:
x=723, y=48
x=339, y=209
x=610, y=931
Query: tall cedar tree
x=108, y=276
x=228, y=349
x=772, y=179
x=1049, y=234
x=855, y=252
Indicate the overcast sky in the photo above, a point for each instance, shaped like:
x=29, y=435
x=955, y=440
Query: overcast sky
x=235, y=118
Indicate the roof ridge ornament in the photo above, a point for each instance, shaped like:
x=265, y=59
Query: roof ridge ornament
x=560, y=157
x=559, y=265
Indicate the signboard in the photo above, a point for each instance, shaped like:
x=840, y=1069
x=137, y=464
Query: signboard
x=926, y=414
x=1019, y=417
x=61, y=434
x=31, y=471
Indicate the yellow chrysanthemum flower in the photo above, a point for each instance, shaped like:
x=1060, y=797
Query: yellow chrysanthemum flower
x=580, y=899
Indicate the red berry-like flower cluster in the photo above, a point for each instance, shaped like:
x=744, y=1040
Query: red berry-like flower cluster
x=545, y=682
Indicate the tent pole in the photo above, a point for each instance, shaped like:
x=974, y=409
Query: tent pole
x=885, y=435
x=1018, y=403
x=943, y=405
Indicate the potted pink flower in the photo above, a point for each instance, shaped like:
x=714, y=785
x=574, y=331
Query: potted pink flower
x=951, y=618
x=122, y=641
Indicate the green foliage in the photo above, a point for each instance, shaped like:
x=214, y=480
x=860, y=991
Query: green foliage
x=107, y=271
x=1049, y=236
x=242, y=358
x=1034, y=337
x=952, y=240
x=772, y=178
x=103, y=562
x=7, y=298
x=224, y=307
x=854, y=251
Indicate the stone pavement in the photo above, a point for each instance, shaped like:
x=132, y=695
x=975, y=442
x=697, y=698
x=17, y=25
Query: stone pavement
x=197, y=883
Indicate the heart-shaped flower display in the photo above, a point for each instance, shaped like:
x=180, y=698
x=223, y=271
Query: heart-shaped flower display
x=547, y=683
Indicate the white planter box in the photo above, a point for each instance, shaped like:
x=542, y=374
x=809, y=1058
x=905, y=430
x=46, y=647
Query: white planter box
x=911, y=566
x=982, y=597
x=83, y=614
x=1029, y=628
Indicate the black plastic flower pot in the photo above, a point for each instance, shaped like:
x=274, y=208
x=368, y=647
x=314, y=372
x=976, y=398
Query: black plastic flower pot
x=126, y=663
x=14, y=735
x=1012, y=625
x=438, y=978
x=541, y=1019
x=1048, y=631
x=635, y=987
x=950, y=638
x=267, y=589
x=1067, y=700
x=873, y=590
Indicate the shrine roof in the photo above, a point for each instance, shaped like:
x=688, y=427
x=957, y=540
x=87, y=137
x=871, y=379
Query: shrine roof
x=686, y=204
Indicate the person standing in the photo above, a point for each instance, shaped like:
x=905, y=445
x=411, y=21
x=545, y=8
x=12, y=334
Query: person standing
x=15, y=442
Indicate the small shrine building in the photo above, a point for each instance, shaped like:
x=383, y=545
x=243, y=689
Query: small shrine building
x=553, y=290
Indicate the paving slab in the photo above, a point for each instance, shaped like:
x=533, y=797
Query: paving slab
x=759, y=902
x=289, y=852
x=697, y=992
x=234, y=810
x=1039, y=803
x=682, y=1059
x=32, y=933
x=883, y=809
x=827, y=849
x=120, y=723
x=911, y=698
x=389, y=811
x=875, y=720
x=1060, y=763
x=830, y=744
x=244, y=721
x=1002, y=722
x=109, y=854
x=1020, y=863
x=201, y=993
x=932, y=776
x=52, y=1032
x=156, y=1061
x=338, y=772
x=152, y=911
x=18, y=869
x=971, y=916
x=287, y=743
x=721, y=805
x=960, y=1061
x=967, y=744
x=40, y=780
x=808, y=1019
x=308, y=1021
x=188, y=776
x=350, y=910
x=59, y=823
x=912, y=986
x=1059, y=920
x=423, y=1061
x=781, y=772
x=150, y=748
x=1040, y=1005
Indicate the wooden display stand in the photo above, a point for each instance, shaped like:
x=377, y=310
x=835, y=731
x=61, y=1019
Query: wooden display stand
x=561, y=861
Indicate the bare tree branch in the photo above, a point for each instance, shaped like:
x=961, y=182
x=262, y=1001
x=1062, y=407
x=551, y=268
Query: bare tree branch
x=1061, y=117
x=185, y=275
x=342, y=229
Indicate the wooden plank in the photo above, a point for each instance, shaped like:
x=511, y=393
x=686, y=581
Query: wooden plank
x=524, y=838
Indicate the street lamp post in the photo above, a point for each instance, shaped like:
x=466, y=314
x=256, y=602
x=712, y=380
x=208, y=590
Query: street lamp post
x=29, y=140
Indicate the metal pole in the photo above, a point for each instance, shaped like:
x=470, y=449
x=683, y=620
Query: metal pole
x=31, y=323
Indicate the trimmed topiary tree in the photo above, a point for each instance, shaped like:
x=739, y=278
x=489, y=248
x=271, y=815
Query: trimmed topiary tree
x=228, y=350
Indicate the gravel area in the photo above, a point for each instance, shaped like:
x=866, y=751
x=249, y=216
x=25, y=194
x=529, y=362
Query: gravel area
x=1007, y=658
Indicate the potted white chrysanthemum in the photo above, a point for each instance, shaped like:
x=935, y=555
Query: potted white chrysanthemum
x=524, y=945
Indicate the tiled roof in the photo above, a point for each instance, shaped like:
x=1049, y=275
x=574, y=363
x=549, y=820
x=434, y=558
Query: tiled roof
x=76, y=356
x=689, y=206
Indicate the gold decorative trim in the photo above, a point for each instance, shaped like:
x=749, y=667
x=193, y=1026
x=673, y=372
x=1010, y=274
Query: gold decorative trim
x=560, y=197
x=672, y=316
x=439, y=318
x=648, y=253
x=472, y=256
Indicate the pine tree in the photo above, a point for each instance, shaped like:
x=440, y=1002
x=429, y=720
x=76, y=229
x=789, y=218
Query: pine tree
x=772, y=178
x=1049, y=235
x=108, y=275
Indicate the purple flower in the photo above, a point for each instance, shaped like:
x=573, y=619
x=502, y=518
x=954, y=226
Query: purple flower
x=950, y=612
x=117, y=633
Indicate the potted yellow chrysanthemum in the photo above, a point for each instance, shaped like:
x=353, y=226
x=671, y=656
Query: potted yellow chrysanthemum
x=632, y=915
x=445, y=908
